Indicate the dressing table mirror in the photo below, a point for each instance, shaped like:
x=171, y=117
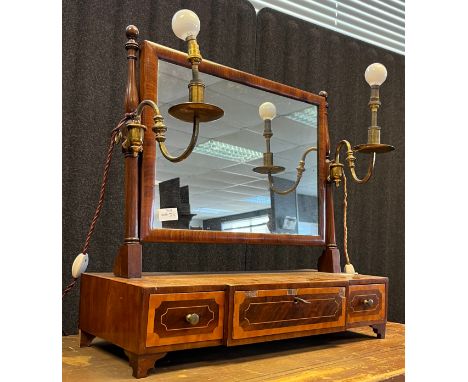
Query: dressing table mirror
x=221, y=191
x=200, y=186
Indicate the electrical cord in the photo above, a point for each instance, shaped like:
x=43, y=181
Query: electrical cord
x=97, y=212
x=349, y=268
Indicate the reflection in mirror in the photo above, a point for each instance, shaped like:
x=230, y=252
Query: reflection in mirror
x=216, y=187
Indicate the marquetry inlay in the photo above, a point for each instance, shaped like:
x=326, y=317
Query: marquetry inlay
x=167, y=322
x=287, y=310
x=358, y=311
x=179, y=309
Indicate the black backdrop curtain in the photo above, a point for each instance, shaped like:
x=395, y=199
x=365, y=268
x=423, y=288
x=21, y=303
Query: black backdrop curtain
x=270, y=44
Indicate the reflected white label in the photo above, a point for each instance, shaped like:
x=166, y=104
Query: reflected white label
x=167, y=214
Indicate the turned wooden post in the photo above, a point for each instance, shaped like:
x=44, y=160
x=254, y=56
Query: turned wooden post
x=128, y=262
x=329, y=261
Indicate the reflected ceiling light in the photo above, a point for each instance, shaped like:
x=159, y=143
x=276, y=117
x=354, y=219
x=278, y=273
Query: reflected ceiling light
x=211, y=211
x=226, y=151
x=307, y=116
x=258, y=199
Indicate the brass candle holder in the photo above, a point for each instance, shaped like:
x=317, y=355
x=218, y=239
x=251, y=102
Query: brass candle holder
x=186, y=26
x=267, y=112
x=375, y=75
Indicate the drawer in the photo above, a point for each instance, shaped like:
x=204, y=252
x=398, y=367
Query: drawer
x=268, y=312
x=366, y=303
x=169, y=318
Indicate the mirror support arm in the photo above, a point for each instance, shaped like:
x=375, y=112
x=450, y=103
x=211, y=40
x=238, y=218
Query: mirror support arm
x=300, y=170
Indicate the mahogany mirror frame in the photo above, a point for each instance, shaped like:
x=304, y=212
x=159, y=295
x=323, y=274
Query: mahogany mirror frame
x=150, y=54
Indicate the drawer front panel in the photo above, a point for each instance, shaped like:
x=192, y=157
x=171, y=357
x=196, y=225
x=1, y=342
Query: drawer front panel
x=366, y=303
x=267, y=312
x=167, y=318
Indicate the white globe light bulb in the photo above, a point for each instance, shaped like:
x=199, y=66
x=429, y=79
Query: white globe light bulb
x=375, y=74
x=267, y=110
x=185, y=23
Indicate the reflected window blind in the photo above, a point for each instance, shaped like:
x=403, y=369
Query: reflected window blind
x=378, y=22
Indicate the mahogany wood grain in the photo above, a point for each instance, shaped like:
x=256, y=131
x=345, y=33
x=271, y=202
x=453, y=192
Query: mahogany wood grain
x=358, y=311
x=380, y=330
x=166, y=323
x=110, y=309
x=145, y=316
x=269, y=312
x=168, y=282
x=86, y=338
x=329, y=261
x=150, y=54
x=142, y=363
x=128, y=260
x=281, y=336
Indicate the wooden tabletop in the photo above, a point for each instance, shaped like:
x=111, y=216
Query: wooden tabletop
x=351, y=356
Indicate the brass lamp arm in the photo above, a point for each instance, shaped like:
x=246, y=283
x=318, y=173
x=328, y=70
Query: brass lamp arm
x=336, y=168
x=370, y=170
x=188, y=150
x=144, y=103
x=300, y=170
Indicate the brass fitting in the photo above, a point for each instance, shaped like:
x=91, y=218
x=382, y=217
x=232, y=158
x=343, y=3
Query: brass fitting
x=373, y=133
x=268, y=159
x=159, y=129
x=196, y=91
x=350, y=158
x=336, y=173
x=194, y=55
x=133, y=143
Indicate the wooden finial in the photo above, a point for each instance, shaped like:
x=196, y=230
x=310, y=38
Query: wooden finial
x=132, y=47
x=132, y=35
x=323, y=93
x=132, y=32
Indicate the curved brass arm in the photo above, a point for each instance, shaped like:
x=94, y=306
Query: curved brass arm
x=160, y=130
x=146, y=102
x=350, y=159
x=188, y=150
x=300, y=169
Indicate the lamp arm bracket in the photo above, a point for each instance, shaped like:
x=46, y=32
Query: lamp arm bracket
x=142, y=104
x=336, y=168
x=188, y=150
x=300, y=170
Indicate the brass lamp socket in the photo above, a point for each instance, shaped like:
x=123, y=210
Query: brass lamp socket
x=336, y=173
x=373, y=135
x=268, y=159
x=374, y=100
x=194, y=55
x=133, y=143
x=196, y=91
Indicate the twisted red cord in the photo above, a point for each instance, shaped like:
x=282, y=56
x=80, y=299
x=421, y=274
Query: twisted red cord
x=97, y=212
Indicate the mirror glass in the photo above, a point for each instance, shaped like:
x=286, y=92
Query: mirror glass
x=215, y=187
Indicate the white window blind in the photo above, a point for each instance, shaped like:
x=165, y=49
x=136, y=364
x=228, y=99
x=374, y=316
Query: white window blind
x=378, y=22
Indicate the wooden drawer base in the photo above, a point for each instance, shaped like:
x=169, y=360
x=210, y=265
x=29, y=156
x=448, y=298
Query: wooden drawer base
x=150, y=316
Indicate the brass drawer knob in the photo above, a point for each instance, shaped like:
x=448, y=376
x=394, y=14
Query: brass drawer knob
x=192, y=318
x=368, y=302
